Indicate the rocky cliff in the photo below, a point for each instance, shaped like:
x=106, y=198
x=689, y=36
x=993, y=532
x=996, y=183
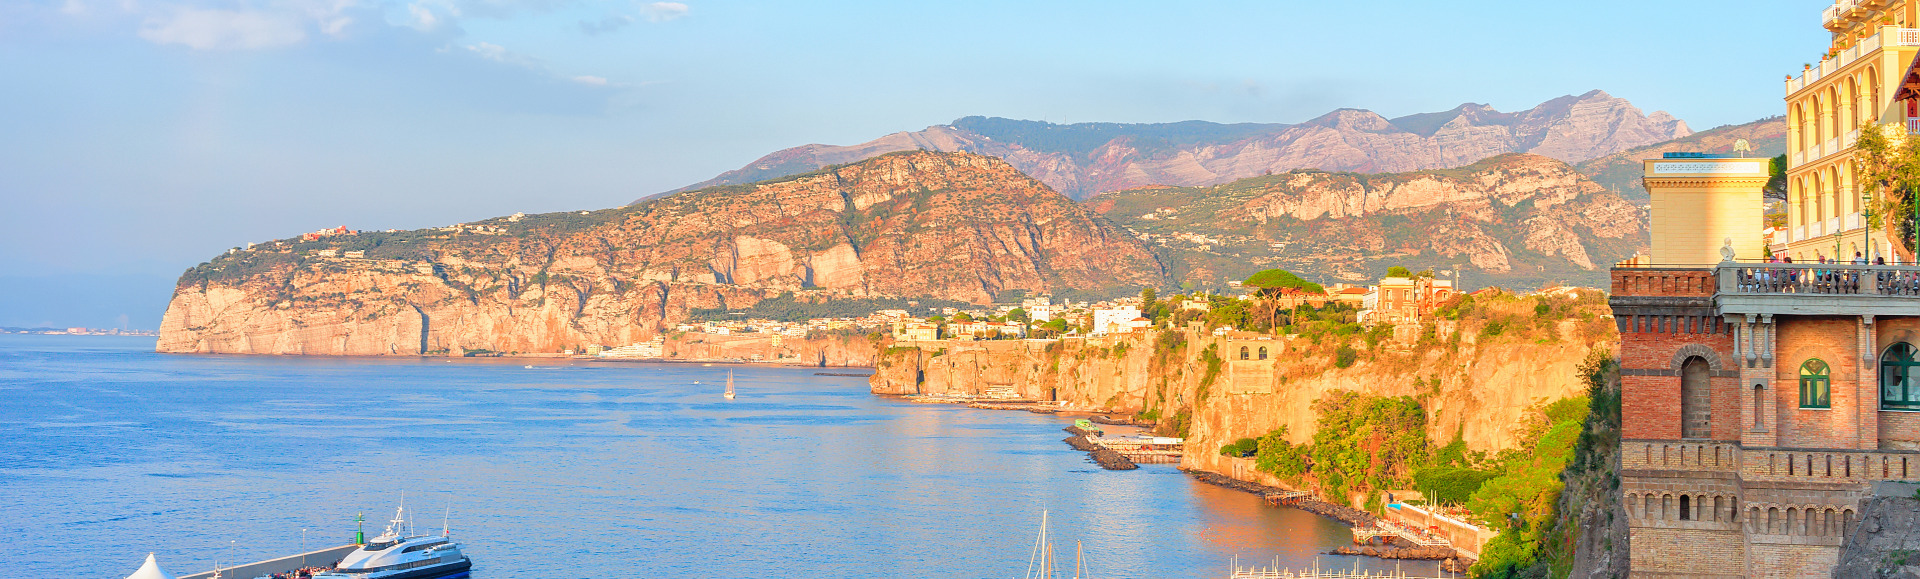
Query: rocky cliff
x=1089, y=158
x=1473, y=383
x=1517, y=220
x=1886, y=541
x=953, y=226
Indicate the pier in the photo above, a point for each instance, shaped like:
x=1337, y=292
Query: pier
x=1318, y=572
x=1286, y=498
x=322, y=558
x=1144, y=450
x=1392, y=532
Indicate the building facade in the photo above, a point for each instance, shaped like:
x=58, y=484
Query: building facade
x=1855, y=84
x=1760, y=400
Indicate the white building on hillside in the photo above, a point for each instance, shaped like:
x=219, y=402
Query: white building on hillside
x=1116, y=319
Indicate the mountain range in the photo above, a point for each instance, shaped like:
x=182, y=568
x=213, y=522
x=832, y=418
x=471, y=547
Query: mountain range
x=1514, y=219
x=1085, y=159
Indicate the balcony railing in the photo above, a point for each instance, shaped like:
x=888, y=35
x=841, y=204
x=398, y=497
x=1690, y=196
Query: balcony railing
x=1888, y=36
x=1663, y=281
x=1821, y=279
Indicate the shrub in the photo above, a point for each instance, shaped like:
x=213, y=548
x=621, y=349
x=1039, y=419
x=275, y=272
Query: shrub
x=1449, y=485
x=1241, y=448
x=1493, y=328
x=1344, y=356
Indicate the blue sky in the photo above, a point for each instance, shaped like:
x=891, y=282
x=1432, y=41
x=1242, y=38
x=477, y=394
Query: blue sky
x=144, y=136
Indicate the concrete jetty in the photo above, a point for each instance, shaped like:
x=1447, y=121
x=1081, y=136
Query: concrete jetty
x=321, y=558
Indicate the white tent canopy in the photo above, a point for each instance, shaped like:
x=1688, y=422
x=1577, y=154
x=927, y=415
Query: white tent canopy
x=150, y=570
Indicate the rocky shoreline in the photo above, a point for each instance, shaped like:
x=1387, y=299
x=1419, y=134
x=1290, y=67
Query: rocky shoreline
x=1450, y=560
x=1107, y=458
x=1351, y=516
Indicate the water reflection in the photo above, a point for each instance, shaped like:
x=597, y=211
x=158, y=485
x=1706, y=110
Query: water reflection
x=574, y=470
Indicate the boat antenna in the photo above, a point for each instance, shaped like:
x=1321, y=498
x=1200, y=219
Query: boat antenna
x=444, y=531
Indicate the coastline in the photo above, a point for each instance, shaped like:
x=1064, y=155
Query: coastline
x=1448, y=559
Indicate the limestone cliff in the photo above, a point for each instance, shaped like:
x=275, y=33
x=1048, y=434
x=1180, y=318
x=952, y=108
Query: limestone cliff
x=952, y=226
x=1472, y=385
x=1516, y=220
x=1089, y=158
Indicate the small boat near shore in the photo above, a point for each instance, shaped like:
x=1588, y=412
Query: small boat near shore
x=729, y=393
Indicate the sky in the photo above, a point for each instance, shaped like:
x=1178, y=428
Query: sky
x=143, y=137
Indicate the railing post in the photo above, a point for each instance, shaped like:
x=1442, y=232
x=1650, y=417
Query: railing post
x=1727, y=282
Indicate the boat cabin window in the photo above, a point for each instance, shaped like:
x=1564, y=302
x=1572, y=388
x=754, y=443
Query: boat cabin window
x=426, y=545
x=379, y=546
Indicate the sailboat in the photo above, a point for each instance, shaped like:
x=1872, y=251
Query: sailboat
x=729, y=393
x=1041, y=564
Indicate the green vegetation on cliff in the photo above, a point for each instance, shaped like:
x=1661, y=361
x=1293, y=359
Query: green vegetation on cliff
x=1562, y=489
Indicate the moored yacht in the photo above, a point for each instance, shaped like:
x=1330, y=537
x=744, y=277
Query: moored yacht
x=399, y=554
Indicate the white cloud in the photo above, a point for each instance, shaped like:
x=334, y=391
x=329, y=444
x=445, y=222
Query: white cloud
x=663, y=11
x=423, y=18
x=491, y=51
x=210, y=29
x=592, y=80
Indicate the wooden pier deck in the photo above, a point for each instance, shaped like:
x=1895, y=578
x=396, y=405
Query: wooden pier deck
x=1399, y=533
x=1286, y=498
x=1140, y=451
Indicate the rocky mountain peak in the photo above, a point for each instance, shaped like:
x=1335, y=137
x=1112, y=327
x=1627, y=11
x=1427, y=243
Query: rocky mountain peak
x=1085, y=159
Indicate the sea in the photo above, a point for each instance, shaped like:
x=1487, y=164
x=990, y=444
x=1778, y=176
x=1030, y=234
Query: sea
x=555, y=469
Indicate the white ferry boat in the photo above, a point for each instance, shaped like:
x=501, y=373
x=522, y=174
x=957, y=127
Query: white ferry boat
x=399, y=554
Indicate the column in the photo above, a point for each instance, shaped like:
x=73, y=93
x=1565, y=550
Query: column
x=1868, y=388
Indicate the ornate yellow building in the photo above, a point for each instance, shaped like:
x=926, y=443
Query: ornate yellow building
x=1874, y=42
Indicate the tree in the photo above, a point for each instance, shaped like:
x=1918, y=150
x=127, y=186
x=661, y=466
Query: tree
x=1018, y=315
x=1887, y=166
x=1777, y=177
x=1149, y=306
x=1398, y=271
x=1273, y=280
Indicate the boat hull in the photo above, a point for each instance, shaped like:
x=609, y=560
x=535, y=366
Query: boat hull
x=454, y=570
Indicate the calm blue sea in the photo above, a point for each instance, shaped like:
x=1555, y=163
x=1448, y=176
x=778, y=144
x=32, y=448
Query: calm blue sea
x=572, y=470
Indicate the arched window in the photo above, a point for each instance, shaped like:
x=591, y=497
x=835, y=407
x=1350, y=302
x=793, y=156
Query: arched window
x=1263, y=352
x=1244, y=353
x=1815, y=388
x=1899, y=379
x=1695, y=410
x=1686, y=509
x=1759, y=407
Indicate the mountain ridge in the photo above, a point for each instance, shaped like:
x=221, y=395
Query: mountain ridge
x=1514, y=219
x=1084, y=159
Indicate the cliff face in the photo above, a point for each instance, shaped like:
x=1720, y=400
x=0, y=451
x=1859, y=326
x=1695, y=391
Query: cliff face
x=1886, y=541
x=1089, y=158
x=1513, y=219
x=950, y=226
x=1476, y=387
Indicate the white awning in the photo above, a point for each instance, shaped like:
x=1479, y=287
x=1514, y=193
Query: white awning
x=151, y=570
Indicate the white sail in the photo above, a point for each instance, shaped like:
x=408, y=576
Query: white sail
x=729, y=385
